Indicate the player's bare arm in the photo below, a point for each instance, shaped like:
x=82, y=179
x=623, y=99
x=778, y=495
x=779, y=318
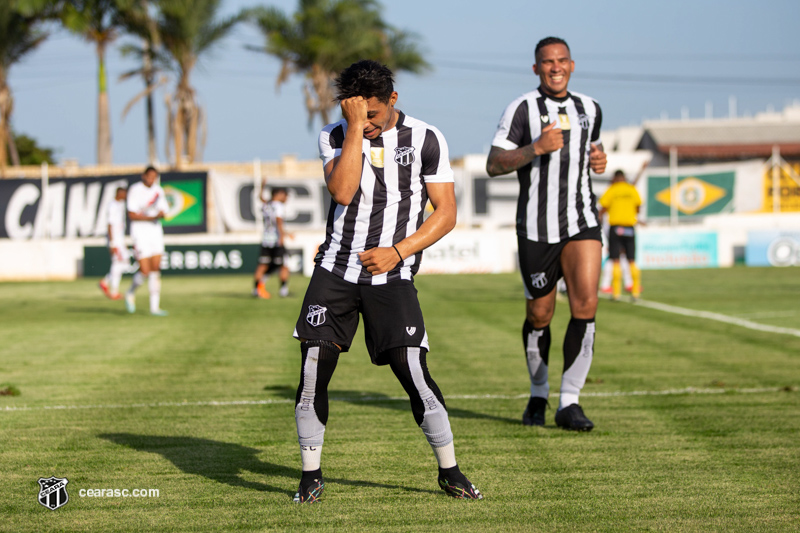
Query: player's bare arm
x=502, y=161
x=597, y=159
x=439, y=224
x=281, y=231
x=343, y=174
x=146, y=218
x=263, y=195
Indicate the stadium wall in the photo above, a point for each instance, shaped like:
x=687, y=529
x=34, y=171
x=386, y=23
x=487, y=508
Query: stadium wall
x=721, y=241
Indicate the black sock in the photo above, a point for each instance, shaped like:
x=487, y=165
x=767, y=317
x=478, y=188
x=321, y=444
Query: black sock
x=453, y=474
x=310, y=476
x=255, y=284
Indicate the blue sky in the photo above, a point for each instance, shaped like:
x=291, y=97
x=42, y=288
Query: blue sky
x=625, y=51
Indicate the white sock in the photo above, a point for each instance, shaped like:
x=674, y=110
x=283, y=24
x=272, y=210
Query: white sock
x=136, y=282
x=311, y=456
x=154, y=284
x=445, y=455
x=115, y=276
x=574, y=377
x=537, y=368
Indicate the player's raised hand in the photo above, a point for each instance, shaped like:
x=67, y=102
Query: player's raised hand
x=354, y=110
x=379, y=260
x=597, y=159
x=551, y=139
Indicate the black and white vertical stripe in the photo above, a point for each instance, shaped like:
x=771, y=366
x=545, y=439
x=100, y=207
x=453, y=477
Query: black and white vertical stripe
x=390, y=202
x=556, y=199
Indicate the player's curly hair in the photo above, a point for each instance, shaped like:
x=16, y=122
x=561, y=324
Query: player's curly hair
x=365, y=78
x=547, y=41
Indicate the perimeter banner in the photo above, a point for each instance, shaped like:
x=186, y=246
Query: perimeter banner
x=193, y=259
x=77, y=207
x=778, y=248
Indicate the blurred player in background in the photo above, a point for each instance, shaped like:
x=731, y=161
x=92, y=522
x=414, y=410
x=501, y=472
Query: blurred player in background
x=622, y=203
x=619, y=268
x=381, y=167
x=147, y=206
x=118, y=250
x=551, y=137
x=273, y=251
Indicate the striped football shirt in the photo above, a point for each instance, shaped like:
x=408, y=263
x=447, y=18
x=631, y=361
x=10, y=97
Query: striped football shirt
x=555, y=198
x=390, y=202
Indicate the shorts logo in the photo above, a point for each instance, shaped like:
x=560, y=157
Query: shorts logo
x=539, y=280
x=404, y=155
x=53, y=492
x=316, y=315
x=583, y=120
x=411, y=330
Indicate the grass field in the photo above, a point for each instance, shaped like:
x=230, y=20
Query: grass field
x=199, y=405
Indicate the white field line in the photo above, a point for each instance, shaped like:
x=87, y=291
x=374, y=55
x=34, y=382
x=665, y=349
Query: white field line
x=776, y=314
x=718, y=317
x=376, y=399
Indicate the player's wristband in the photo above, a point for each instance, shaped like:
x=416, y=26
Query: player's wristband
x=398, y=252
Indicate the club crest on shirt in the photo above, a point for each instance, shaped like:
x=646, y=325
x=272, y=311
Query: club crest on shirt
x=316, y=315
x=583, y=120
x=376, y=157
x=404, y=155
x=539, y=280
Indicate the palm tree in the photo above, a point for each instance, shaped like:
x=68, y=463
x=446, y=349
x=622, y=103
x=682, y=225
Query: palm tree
x=189, y=29
x=20, y=33
x=97, y=21
x=138, y=21
x=324, y=37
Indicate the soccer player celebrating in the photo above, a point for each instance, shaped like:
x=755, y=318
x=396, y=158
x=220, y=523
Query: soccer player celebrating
x=147, y=205
x=551, y=137
x=381, y=167
x=116, y=245
x=273, y=252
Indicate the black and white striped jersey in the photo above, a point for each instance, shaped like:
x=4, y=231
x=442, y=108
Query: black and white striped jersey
x=390, y=202
x=555, y=198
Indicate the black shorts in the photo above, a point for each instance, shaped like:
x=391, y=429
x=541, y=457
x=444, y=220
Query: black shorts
x=622, y=239
x=540, y=262
x=392, y=315
x=272, y=256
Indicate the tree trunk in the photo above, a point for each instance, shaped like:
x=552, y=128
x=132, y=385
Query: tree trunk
x=152, y=153
x=6, y=135
x=103, y=119
x=5, y=112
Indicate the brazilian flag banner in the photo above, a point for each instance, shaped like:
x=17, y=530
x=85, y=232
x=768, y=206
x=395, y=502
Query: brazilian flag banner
x=693, y=195
x=186, y=195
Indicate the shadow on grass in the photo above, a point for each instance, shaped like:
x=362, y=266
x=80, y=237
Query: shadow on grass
x=384, y=401
x=96, y=310
x=224, y=461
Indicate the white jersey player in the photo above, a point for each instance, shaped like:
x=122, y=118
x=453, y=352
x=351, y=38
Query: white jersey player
x=273, y=253
x=147, y=205
x=120, y=258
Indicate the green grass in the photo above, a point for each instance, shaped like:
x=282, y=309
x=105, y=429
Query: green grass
x=131, y=391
